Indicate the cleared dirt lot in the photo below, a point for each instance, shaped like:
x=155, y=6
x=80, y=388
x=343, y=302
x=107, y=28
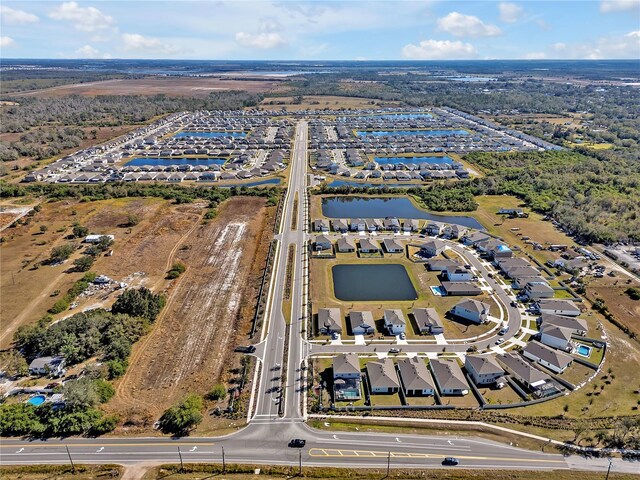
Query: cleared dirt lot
x=321, y=102
x=143, y=250
x=198, y=87
x=207, y=313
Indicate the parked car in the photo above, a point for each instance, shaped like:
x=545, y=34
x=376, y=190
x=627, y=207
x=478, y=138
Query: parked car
x=500, y=341
x=297, y=443
x=503, y=330
x=450, y=461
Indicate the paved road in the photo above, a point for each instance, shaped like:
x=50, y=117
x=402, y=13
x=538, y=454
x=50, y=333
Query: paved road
x=265, y=440
x=267, y=444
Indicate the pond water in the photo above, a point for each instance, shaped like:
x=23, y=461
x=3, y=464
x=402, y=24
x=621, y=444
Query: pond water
x=372, y=282
x=343, y=183
x=381, y=207
x=405, y=160
x=387, y=133
x=210, y=134
x=271, y=181
x=165, y=162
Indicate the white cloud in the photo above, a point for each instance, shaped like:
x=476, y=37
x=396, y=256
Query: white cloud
x=11, y=16
x=608, y=6
x=87, y=52
x=535, y=56
x=439, y=50
x=85, y=19
x=264, y=40
x=6, y=42
x=139, y=43
x=510, y=12
x=460, y=25
x=618, y=47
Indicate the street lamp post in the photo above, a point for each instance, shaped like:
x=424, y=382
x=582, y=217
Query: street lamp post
x=609, y=469
x=73, y=467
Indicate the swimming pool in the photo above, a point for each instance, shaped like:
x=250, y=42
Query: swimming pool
x=583, y=350
x=37, y=400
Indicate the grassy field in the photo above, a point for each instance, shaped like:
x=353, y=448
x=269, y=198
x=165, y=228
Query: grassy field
x=321, y=102
x=61, y=472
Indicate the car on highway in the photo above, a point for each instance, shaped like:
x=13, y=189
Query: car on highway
x=450, y=461
x=297, y=443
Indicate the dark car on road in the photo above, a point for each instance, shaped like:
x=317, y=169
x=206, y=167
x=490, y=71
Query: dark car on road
x=297, y=443
x=450, y=461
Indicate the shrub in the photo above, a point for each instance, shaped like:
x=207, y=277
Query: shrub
x=79, y=231
x=217, y=392
x=61, y=253
x=182, y=417
x=105, y=390
x=83, y=263
x=177, y=269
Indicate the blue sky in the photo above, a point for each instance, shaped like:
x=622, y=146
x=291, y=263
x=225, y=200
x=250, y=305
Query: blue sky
x=321, y=30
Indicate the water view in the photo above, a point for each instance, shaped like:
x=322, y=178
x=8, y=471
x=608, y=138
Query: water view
x=165, y=162
x=210, y=134
x=358, y=282
x=380, y=207
x=388, y=133
x=405, y=160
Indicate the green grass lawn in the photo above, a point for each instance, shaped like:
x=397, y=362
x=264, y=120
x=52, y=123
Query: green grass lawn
x=501, y=396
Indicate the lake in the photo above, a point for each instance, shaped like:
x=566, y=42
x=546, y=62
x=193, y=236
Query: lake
x=210, y=134
x=405, y=160
x=381, y=207
x=404, y=133
x=372, y=282
x=165, y=162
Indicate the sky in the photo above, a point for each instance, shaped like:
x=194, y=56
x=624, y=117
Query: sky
x=321, y=30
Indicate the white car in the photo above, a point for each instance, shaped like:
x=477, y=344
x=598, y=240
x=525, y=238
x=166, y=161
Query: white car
x=500, y=341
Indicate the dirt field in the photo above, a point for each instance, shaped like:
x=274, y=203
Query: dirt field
x=141, y=253
x=618, y=302
x=178, y=86
x=206, y=315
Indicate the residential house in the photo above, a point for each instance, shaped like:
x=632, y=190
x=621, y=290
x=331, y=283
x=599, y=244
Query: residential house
x=554, y=360
x=330, y=320
x=428, y=321
x=535, y=291
x=394, y=322
x=434, y=229
x=346, y=245
x=483, y=369
x=521, y=282
x=472, y=238
x=556, y=337
x=52, y=366
x=322, y=242
x=506, y=263
x=369, y=246
x=538, y=382
x=457, y=274
x=392, y=224
x=357, y=225
x=440, y=264
x=392, y=246
x=460, y=288
x=382, y=376
x=472, y=310
x=432, y=247
x=576, y=326
x=362, y=323
x=373, y=224
x=340, y=225
x=346, y=377
x=410, y=225
x=415, y=378
x=321, y=225
x=558, y=307
x=448, y=376
x=452, y=232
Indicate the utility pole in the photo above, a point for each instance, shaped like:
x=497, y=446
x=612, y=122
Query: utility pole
x=608, y=469
x=299, y=463
x=73, y=467
x=181, y=464
x=388, y=465
x=224, y=465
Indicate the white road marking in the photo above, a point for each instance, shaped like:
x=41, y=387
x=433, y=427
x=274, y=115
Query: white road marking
x=20, y=451
x=449, y=442
x=193, y=449
x=335, y=437
x=100, y=449
x=398, y=440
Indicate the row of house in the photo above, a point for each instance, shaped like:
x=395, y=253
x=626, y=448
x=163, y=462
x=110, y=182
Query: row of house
x=388, y=224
